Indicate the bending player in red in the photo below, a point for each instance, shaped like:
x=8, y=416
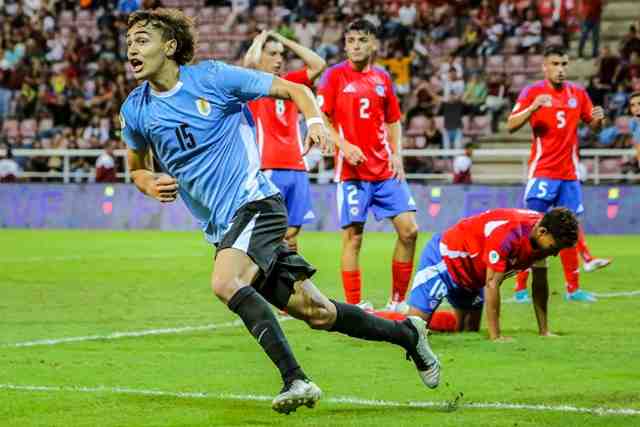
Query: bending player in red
x=277, y=128
x=554, y=108
x=467, y=263
x=363, y=114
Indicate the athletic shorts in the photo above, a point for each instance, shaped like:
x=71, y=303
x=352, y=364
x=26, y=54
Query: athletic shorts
x=541, y=194
x=294, y=186
x=386, y=199
x=432, y=283
x=258, y=229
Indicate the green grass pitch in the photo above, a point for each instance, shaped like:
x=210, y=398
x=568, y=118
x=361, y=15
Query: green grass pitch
x=65, y=284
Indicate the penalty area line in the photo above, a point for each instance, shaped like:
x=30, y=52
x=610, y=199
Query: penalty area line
x=346, y=400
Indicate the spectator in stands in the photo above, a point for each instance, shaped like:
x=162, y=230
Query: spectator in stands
x=496, y=101
x=506, y=14
x=423, y=101
x=591, y=13
x=475, y=95
x=399, y=66
x=452, y=110
x=462, y=166
x=628, y=69
x=630, y=43
x=597, y=91
x=432, y=135
x=9, y=169
x=106, y=166
x=617, y=102
x=330, y=37
x=305, y=32
x=470, y=40
x=452, y=62
x=530, y=32
x=607, y=64
x=493, y=38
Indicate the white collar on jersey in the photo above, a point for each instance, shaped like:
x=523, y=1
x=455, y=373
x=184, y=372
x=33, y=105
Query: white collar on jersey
x=167, y=93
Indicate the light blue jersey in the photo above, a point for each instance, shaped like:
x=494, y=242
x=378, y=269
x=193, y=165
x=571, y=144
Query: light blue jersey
x=202, y=134
x=634, y=127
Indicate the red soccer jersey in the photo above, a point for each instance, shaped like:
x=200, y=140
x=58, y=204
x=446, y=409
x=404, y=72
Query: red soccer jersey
x=359, y=104
x=496, y=239
x=277, y=129
x=554, y=151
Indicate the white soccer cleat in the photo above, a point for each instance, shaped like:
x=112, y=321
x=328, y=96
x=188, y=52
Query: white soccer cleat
x=397, y=307
x=425, y=360
x=365, y=305
x=595, y=264
x=296, y=394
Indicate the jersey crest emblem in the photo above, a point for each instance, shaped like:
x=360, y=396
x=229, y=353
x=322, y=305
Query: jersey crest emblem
x=573, y=103
x=204, y=107
x=494, y=257
x=380, y=90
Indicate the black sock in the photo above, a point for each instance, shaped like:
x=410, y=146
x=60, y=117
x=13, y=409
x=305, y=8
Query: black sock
x=355, y=322
x=257, y=316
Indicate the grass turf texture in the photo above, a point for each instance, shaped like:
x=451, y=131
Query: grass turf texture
x=57, y=284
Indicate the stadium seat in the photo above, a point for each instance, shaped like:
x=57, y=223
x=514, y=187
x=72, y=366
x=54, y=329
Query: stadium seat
x=514, y=64
x=534, y=64
x=511, y=45
x=191, y=11
x=555, y=39
x=480, y=126
x=518, y=82
x=417, y=125
x=207, y=31
x=451, y=44
x=207, y=15
x=45, y=125
x=495, y=64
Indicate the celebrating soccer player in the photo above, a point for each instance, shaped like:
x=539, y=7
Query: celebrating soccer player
x=554, y=108
x=279, y=138
x=468, y=262
x=363, y=114
x=195, y=120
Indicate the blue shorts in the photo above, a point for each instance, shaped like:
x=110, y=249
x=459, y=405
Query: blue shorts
x=386, y=199
x=432, y=282
x=294, y=186
x=541, y=194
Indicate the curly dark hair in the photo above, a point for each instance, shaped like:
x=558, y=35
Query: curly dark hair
x=363, y=25
x=174, y=25
x=563, y=226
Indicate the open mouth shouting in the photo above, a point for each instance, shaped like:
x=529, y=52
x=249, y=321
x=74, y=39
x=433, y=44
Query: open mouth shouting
x=136, y=65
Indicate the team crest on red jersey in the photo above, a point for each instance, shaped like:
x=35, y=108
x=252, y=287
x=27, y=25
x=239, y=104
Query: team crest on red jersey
x=573, y=103
x=380, y=90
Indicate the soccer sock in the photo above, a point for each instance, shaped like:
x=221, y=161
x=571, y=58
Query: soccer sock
x=401, y=273
x=521, y=281
x=257, y=316
x=357, y=323
x=583, y=249
x=570, y=264
x=352, y=285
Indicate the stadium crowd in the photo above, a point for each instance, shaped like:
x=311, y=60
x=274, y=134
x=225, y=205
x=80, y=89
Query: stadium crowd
x=457, y=66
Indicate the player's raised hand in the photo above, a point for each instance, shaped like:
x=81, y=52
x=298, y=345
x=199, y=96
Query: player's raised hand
x=597, y=113
x=164, y=189
x=396, y=166
x=542, y=101
x=353, y=154
x=317, y=135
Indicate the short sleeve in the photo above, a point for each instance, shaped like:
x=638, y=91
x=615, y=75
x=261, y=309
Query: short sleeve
x=237, y=84
x=300, y=76
x=524, y=101
x=586, y=108
x=392, y=107
x=327, y=92
x=130, y=134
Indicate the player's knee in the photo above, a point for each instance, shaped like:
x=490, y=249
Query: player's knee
x=354, y=241
x=223, y=289
x=321, y=316
x=409, y=233
x=292, y=242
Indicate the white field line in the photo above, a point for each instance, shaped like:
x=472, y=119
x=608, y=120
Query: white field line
x=617, y=294
x=18, y=260
x=346, y=400
x=131, y=334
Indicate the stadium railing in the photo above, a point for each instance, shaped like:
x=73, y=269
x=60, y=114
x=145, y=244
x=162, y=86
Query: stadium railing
x=515, y=155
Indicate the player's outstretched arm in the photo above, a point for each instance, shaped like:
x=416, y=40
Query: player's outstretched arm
x=162, y=188
x=492, y=304
x=521, y=116
x=314, y=62
x=540, y=293
x=306, y=103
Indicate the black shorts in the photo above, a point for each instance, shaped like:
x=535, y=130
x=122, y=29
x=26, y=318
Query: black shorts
x=258, y=230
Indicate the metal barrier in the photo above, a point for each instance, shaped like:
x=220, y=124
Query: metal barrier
x=517, y=155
